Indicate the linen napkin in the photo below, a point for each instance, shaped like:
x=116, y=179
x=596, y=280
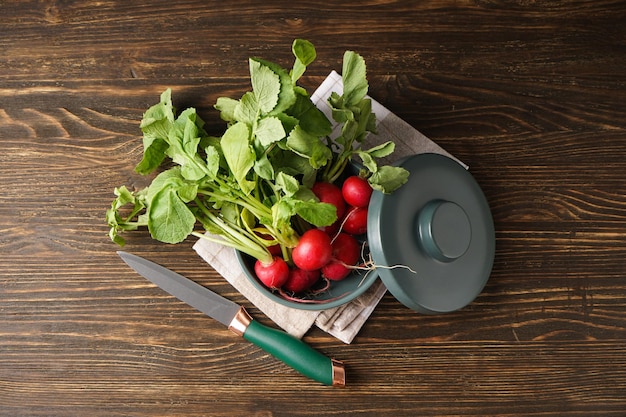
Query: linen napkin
x=343, y=322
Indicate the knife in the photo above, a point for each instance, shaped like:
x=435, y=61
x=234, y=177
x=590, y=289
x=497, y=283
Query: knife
x=279, y=344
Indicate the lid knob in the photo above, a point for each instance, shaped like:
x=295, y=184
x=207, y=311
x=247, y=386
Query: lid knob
x=443, y=230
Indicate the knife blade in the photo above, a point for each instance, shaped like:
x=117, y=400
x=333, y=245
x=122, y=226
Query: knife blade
x=277, y=343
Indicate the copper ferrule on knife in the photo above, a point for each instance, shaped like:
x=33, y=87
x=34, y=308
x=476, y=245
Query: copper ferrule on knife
x=240, y=322
x=339, y=373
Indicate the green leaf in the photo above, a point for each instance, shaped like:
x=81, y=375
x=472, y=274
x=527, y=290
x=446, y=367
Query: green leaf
x=340, y=113
x=124, y=196
x=382, y=150
x=193, y=172
x=184, y=138
x=388, y=178
x=153, y=155
x=365, y=111
x=291, y=164
x=335, y=100
x=354, y=78
x=174, y=179
x=187, y=191
x=239, y=155
x=269, y=130
x=265, y=85
x=191, y=132
x=287, y=95
x=164, y=180
x=309, y=146
x=116, y=238
x=247, y=109
x=282, y=212
x=316, y=213
x=304, y=51
x=371, y=123
x=312, y=119
x=226, y=106
x=305, y=54
x=305, y=194
x=287, y=184
x=368, y=161
x=118, y=224
x=350, y=130
x=264, y=169
x=155, y=125
x=289, y=122
x=169, y=218
x=212, y=160
x=155, y=119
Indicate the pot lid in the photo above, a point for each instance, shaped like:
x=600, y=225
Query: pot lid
x=433, y=239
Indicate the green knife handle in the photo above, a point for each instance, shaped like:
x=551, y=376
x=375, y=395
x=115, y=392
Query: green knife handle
x=290, y=350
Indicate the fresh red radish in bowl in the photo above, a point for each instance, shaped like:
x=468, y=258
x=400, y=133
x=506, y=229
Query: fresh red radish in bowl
x=274, y=274
x=313, y=251
x=356, y=191
x=346, y=252
x=300, y=280
x=355, y=221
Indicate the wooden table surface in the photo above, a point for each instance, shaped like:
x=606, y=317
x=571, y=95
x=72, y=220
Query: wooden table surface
x=532, y=95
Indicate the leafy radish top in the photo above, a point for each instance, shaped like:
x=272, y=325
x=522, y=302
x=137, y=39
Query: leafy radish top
x=251, y=187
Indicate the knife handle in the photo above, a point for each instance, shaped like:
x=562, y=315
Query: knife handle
x=290, y=350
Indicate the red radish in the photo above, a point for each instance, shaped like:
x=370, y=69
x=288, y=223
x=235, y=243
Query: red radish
x=346, y=252
x=331, y=194
x=274, y=274
x=356, y=191
x=313, y=250
x=335, y=270
x=300, y=280
x=355, y=221
x=346, y=249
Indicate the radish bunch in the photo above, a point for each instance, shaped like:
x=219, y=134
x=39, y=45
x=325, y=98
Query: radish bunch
x=266, y=186
x=325, y=253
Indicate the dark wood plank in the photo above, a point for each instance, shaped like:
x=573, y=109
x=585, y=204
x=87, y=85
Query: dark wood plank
x=531, y=95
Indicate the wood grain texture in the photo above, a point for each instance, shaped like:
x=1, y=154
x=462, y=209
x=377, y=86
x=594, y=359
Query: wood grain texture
x=529, y=94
